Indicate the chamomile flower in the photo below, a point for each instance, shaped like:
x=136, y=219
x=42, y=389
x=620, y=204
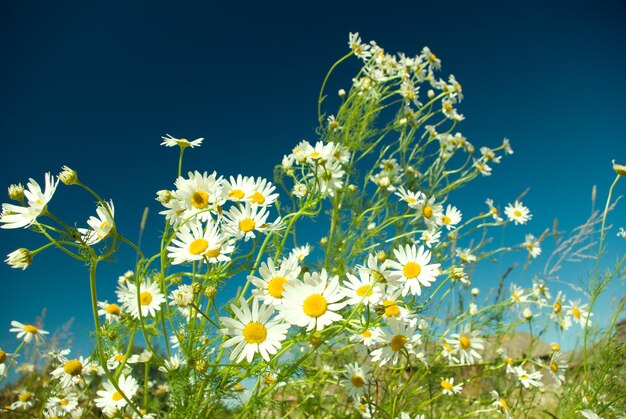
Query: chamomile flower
x=430, y=238
x=327, y=177
x=271, y=285
x=448, y=388
x=518, y=295
x=71, y=371
x=111, y=400
x=391, y=305
x=400, y=337
x=362, y=289
x=559, y=314
x=413, y=199
x=4, y=357
x=412, y=269
x=28, y=332
x=378, y=270
x=195, y=242
x=500, y=404
x=518, y=213
x=19, y=259
x=301, y=252
x=253, y=332
x=262, y=192
x=313, y=303
x=466, y=345
x=15, y=216
x=238, y=189
x=147, y=299
x=243, y=222
x=431, y=212
x=62, y=404
x=169, y=141
x=112, y=312
x=466, y=255
x=541, y=292
x=115, y=360
x=528, y=379
x=200, y=194
x=101, y=226
x=25, y=400
x=557, y=368
x=448, y=351
x=533, y=245
x=172, y=364
x=451, y=217
x=482, y=167
x=182, y=296
x=355, y=379
x=493, y=211
x=359, y=48
x=579, y=312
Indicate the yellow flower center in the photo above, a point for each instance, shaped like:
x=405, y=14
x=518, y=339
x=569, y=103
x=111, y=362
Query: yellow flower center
x=276, y=286
x=509, y=360
x=391, y=308
x=427, y=211
x=63, y=402
x=119, y=357
x=31, y=329
x=198, y=246
x=257, y=198
x=116, y=396
x=448, y=347
x=515, y=296
x=24, y=397
x=517, y=213
x=254, y=332
x=73, y=367
x=365, y=290
x=269, y=380
x=246, y=225
x=465, y=342
x=557, y=307
x=238, y=387
x=213, y=253
x=3, y=356
x=523, y=377
x=358, y=381
x=446, y=220
x=576, y=312
x=411, y=270
x=315, y=305
x=367, y=334
x=103, y=227
x=555, y=346
x=504, y=404
x=447, y=385
x=145, y=298
x=315, y=155
x=200, y=199
x=554, y=367
x=113, y=309
x=397, y=342
x=236, y=193
x=411, y=200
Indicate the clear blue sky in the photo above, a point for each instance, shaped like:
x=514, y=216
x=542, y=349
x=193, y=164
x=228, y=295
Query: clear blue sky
x=95, y=85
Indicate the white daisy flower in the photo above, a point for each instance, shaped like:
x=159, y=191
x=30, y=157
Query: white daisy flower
x=28, y=332
x=313, y=303
x=466, y=345
x=201, y=194
x=493, y=211
x=414, y=199
x=253, y=331
x=71, y=371
x=301, y=252
x=448, y=351
x=271, y=285
x=149, y=300
x=448, y=388
x=115, y=360
x=111, y=400
x=101, y=225
x=579, y=313
x=451, y=217
x=327, y=177
x=172, y=364
x=25, y=400
x=557, y=368
x=169, y=141
x=558, y=314
x=362, y=289
x=62, y=404
x=243, y=222
x=14, y=216
x=518, y=213
x=359, y=48
x=500, y=404
x=182, y=296
x=392, y=305
x=466, y=255
x=355, y=379
x=533, y=245
x=19, y=259
x=112, y=312
x=482, y=167
x=541, y=292
x=193, y=243
x=400, y=338
x=238, y=189
x=262, y=192
x=518, y=295
x=412, y=269
x=430, y=238
x=528, y=379
x=378, y=271
x=431, y=212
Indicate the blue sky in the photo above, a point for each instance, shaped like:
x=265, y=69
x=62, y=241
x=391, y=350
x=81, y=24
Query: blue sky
x=94, y=86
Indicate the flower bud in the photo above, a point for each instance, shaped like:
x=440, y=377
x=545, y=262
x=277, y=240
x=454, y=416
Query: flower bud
x=475, y=292
x=620, y=169
x=381, y=256
x=68, y=176
x=16, y=192
x=528, y=314
x=210, y=291
x=200, y=366
x=20, y=259
x=324, y=241
x=341, y=93
x=164, y=196
x=431, y=93
x=196, y=287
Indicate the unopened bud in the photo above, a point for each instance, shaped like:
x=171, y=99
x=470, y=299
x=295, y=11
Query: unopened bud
x=20, y=259
x=164, y=196
x=431, y=94
x=475, y=292
x=341, y=93
x=68, y=176
x=620, y=169
x=324, y=241
x=16, y=192
x=381, y=256
x=200, y=366
x=528, y=313
x=196, y=287
x=210, y=291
